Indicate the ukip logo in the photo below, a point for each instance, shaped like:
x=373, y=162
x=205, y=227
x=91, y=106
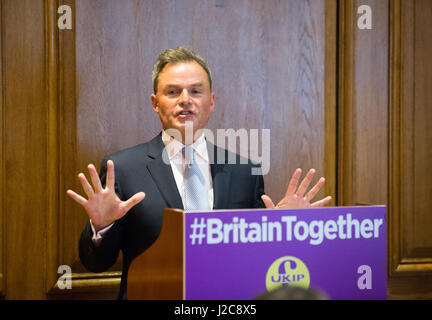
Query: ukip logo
x=287, y=271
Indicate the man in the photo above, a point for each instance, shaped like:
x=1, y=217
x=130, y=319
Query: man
x=125, y=205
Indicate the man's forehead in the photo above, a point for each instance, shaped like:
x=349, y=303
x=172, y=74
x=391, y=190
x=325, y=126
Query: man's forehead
x=192, y=84
x=178, y=67
x=179, y=72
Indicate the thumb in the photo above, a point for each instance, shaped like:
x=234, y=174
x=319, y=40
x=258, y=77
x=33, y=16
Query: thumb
x=267, y=201
x=134, y=200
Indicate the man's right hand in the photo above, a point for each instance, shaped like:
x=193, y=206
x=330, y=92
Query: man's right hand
x=103, y=206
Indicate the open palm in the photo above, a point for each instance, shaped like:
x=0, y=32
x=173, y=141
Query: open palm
x=103, y=206
x=298, y=198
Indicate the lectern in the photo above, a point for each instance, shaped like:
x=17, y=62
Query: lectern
x=158, y=272
x=240, y=254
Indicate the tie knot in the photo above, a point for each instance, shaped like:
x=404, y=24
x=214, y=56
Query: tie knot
x=189, y=154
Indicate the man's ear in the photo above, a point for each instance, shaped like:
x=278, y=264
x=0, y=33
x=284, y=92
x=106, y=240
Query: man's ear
x=212, y=103
x=154, y=103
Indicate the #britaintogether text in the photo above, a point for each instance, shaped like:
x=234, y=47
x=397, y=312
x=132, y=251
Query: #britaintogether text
x=214, y=231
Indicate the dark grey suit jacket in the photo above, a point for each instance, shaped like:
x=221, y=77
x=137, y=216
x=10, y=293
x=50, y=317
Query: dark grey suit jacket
x=141, y=168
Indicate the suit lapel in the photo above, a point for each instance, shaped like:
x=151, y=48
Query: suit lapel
x=164, y=178
x=162, y=174
x=221, y=177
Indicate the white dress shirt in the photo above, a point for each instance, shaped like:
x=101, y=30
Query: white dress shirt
x=178, y=165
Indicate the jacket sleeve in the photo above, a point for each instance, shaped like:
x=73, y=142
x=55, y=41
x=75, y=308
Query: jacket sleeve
x=99, y=258
x=259, y=189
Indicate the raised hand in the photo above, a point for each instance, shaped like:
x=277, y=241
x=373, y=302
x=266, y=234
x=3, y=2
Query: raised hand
x=103, y=206
x=299, y=199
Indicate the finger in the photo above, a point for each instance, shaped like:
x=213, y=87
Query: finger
x=85, y=185
x=316, y=188
x=267, y=201
x=321, y=203
x=95, y=178
x=110, y=175
x=135, y=199
x=81, y=200
x=293, y=182
x=305, y=183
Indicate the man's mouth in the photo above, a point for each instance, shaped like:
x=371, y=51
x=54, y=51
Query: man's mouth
x=185, y=113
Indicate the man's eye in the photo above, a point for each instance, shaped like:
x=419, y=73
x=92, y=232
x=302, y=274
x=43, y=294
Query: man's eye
x=172, y=92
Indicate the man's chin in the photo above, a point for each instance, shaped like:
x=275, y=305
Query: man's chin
x=183, y=132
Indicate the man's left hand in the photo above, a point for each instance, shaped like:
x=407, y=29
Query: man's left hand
x=299, y=199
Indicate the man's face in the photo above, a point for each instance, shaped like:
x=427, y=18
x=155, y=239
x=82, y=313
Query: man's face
x=183, y=95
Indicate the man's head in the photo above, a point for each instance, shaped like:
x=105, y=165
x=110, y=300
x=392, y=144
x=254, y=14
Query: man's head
x=176, y=55
x=182, y=90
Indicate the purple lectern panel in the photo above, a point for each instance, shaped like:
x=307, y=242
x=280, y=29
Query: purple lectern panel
x=237, y=255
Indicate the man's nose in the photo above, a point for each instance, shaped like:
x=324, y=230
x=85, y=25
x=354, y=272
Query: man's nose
x=184, y=98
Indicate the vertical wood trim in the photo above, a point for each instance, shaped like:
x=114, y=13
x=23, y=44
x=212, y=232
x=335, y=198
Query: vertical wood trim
x=395, y=95
x=345, y=96
x=330, y=93
x=2, y=161
x=406, y=131
x=53, y=112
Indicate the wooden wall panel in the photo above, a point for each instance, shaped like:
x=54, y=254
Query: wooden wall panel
x=24, y=147
x=371, y=108
x=66, y=223
x=267, y=62
x=255, y=50
x=411, y=114
x=421, y=109
x=363, y=106
x=384, y=137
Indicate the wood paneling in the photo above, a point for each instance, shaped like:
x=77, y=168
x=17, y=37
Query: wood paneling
x=268, y=70
x=24, y=147
x=371, y=108
x=416, y=131
x=53, y=140
x=363, y=106
x=67, y=221
x=330, y=96
x=410, y=145
x=2, y=163
x=346, y=58
x=384, y=137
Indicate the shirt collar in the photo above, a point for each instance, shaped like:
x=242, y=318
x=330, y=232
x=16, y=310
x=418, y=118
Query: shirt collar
x=174, y=146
